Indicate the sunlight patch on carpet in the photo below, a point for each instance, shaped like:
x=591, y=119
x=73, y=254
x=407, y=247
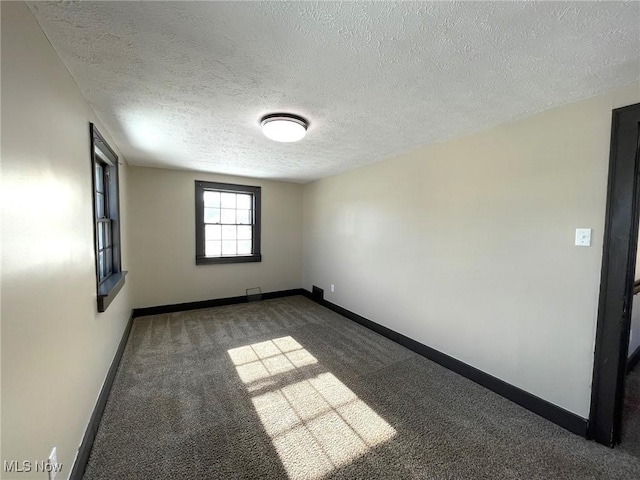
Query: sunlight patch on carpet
x=316, y=425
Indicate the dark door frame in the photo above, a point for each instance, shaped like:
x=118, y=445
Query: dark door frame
x=616, y=282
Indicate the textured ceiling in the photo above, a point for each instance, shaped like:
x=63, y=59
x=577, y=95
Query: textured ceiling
x=184, y=84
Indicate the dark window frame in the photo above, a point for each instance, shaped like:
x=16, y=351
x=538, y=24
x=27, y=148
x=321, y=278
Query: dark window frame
x=256, y=192
x=107, y=286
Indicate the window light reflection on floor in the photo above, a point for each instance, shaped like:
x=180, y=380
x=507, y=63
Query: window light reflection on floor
x=316, y=425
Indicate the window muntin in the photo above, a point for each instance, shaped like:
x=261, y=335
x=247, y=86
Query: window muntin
x=227, y=223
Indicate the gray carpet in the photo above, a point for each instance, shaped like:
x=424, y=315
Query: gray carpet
x=631, y=414
x=288, y=389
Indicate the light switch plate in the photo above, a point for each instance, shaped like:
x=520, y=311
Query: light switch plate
x=583, y=237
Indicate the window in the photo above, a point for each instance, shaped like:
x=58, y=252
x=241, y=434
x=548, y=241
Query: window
x=227, y=223
x=106, y=213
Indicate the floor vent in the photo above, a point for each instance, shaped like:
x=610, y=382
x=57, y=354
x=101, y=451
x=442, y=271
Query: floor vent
x=254, y=294
x=318, y=293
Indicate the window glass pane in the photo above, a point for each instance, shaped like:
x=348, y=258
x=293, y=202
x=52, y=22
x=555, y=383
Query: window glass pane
x=228, y=247
x=244, y=201
x=211, y=215
x=108, y=265
x=98, y=180
x=244, y=232
x=228, y=232
x=212, y=232
x=244, y=247
x=212, y=199
x=243, y=216
x=213, y=249
x=228, y=200
x=101, y=265
x=107, y=234
x=100, y=235
x=228, y=216
x=99, y=205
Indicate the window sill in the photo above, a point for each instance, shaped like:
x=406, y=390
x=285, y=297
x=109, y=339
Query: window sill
x=234, y=259
x=108, y=290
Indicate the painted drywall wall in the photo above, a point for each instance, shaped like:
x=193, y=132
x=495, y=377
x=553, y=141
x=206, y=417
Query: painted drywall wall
x=468, y=246
x=161, y=205
x=634, y=338
x=56, y=347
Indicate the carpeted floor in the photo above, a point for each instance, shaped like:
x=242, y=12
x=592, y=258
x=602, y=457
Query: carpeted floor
x=631, y=414
x=288, y=389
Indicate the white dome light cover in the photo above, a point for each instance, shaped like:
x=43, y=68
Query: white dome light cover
x=283, y=127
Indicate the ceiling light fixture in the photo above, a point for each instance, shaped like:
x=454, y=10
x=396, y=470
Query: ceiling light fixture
x=284, y=127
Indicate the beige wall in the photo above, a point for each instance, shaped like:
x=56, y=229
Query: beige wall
x=637, y=272
x=56, y=348
x=161, y=204
x=467, y=246
x=634, y=340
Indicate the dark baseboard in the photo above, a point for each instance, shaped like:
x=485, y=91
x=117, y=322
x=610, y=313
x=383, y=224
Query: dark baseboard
x=633, y=360
x=218, y=302
x=558, y=415
x=92, y=428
